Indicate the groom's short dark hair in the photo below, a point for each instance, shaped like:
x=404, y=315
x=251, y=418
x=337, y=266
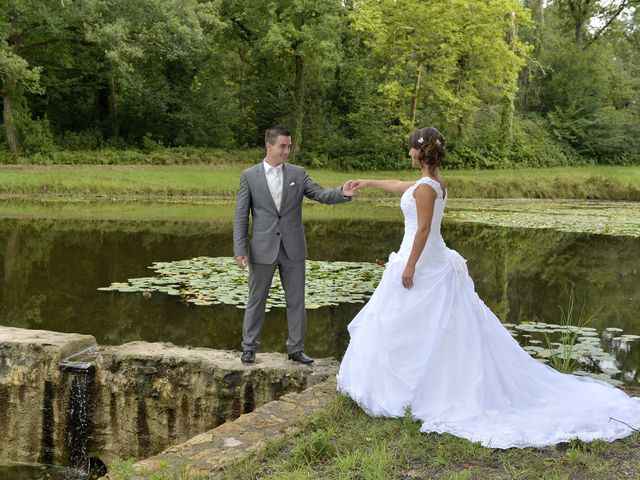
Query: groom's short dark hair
x=271, y=135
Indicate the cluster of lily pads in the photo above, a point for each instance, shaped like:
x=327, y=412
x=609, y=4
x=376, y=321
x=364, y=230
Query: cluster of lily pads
x=588, y=350
x=600, y=217
x=209, y=281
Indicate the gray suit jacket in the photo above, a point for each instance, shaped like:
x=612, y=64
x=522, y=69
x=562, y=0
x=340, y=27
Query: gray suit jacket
x=270, y=226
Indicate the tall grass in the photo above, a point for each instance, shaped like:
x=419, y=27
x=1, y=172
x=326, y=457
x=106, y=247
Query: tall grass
x=563, y=358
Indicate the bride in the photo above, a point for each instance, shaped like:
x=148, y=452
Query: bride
x=426, y=341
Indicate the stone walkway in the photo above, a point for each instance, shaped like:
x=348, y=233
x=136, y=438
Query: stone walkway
x=208, y=453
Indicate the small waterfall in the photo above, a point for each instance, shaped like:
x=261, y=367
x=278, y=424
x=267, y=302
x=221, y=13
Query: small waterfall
x=78, y=378
x=78, y=429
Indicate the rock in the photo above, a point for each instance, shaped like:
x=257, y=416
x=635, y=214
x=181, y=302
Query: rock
x=231, y=442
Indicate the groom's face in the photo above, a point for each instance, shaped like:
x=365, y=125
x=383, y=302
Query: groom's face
x=279, y=152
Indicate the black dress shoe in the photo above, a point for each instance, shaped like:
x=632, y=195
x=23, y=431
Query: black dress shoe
x=248, y=356
x=301, y=357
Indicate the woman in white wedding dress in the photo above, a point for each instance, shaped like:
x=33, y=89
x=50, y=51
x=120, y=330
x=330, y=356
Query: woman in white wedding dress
x=426, y=341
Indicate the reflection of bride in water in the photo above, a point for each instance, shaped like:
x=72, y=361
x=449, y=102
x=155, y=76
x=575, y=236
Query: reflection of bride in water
x=426, y=341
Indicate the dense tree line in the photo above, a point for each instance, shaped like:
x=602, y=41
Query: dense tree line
x=509, y=83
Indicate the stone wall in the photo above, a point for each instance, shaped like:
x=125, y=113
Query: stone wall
x=150, y=395
x=143, y=397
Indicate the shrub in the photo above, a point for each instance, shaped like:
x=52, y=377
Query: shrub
x=534, y=145
x=85, y=140
x=35, y=135
x=606, y=135
x=149, y=144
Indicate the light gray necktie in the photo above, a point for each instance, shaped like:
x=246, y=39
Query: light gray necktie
x=276, y=186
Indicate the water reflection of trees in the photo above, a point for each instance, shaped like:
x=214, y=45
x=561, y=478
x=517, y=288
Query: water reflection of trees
x=23, y=253
x=51, y=271
x=533, y=271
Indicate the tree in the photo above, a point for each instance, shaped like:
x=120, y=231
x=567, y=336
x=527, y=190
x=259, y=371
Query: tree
x=351, y=79
x=291, y=49
x=581, y=13
x=140, y=42
x=439, y=62
x=25, y=26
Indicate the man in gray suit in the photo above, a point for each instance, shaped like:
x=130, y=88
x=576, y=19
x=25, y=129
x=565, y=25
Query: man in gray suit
x=273, y=192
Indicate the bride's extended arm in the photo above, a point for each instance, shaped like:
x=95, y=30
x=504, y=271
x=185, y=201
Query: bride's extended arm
x=425, y=200
x=397, y=186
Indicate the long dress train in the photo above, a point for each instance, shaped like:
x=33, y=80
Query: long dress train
x=438, y=349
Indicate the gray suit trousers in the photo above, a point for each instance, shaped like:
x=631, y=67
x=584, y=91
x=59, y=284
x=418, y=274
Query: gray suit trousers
x=292, y=275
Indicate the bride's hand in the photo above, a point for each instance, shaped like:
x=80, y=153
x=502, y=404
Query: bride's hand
x=407, y=276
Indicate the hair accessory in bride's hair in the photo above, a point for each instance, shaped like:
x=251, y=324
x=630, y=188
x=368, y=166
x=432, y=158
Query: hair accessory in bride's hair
x=420, y=140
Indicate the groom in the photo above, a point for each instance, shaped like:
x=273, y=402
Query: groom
x=273, y=192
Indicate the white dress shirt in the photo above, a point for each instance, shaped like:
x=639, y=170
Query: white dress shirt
x=274, y=180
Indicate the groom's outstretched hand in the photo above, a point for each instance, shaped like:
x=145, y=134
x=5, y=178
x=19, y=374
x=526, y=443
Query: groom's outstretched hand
x=350, y=188
x=242, y=261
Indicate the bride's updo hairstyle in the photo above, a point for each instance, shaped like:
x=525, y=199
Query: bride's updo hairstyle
x=431, y=147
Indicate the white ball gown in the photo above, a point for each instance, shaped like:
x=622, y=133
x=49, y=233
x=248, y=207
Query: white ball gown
x=438, y=349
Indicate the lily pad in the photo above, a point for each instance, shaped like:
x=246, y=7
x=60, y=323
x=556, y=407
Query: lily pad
x=595, y=352
x=601, y=217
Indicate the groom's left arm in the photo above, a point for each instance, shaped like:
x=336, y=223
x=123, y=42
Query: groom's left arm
x=323, y=195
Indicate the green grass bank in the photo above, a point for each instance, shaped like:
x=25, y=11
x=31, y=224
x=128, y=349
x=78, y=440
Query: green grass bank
x=221, y=181
x=342, y=442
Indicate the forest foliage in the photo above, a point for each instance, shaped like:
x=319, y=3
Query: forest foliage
x=510, y=83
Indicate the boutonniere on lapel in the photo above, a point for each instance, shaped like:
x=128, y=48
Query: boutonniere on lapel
x=292, y=184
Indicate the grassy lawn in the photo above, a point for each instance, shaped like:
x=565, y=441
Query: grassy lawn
x=614, y=183
x=342, y=442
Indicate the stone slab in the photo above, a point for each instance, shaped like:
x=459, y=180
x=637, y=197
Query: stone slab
x=143, y=397
x=60, y=345
x=214, y=359
x=150, y=396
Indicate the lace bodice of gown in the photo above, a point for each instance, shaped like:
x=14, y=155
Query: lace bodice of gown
x=435, y=243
